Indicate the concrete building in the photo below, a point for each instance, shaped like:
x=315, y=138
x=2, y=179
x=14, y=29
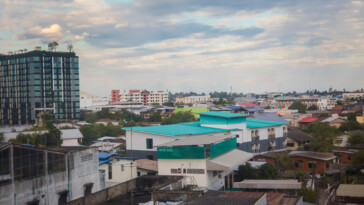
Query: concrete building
x=136, y=96
x=252, y=135
x=117, y=169
x=91, y=102
x=193, y=99
x=57, y=175
x=350, y=194
x=342, y=139
x=353, y=95
x=69, y=137
x=109, y=144
x=208, y=159
x=146, y=167
x=297, y=139
x=39, y=81
x=326, y=103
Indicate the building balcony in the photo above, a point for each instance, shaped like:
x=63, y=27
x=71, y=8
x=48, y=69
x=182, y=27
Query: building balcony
x=271, y=136
x=254, y=138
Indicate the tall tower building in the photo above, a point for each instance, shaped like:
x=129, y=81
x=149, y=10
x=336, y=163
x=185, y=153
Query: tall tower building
x=38, y=81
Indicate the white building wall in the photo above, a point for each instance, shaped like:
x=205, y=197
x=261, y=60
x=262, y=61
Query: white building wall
x=138, y=140
x=70, y=142
x=119, y=175
x=165, y=166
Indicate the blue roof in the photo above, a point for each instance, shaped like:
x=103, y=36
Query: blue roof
x=253, y=109
x=235, y=107
x=104, y=161
x=105, y=156
x=178, y=129
x=255, y=123
x=222, y=114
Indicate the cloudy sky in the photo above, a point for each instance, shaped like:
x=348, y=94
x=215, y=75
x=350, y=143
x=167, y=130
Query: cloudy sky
x=197, y=45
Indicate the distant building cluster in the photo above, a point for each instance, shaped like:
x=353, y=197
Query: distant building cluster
x=137, y=96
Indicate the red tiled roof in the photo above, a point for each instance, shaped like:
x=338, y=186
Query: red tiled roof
x=248, y=105
x=308, y=119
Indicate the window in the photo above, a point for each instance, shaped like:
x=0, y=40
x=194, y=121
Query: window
x=195, y=171
x=110, y=171
x=62, y=197
x=349, y=157
x=327, y=165
x=290, y=144
x=150, y=157
x=298, y=164
x=149, y=143
x=237, y=136
x=122, y=167
x=88, y=189
x=138, y=173
x=312, y=164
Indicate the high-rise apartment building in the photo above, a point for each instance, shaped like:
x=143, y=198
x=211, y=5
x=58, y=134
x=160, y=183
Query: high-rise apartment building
x=38, y=81
x=145, y=97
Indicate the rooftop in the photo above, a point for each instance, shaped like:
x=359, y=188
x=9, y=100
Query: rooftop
x=298, y=135
x=249, y=105
x=222, y=114
x=308, y=120
x=255, y=123
x=350, y=190
x=147, y=164
x=325, y=156
x=197, y=140
x=268, y=184
x=228, y=197
x=178, y=129
x=268, y=116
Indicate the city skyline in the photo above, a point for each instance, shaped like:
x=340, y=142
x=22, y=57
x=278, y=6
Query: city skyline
x=196, y=45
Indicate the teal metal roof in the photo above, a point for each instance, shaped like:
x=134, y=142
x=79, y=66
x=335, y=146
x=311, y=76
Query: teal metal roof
x=178, y=129
x=255, y=123
x=222, y=114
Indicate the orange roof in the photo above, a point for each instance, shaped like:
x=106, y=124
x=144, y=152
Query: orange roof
x=308, y=119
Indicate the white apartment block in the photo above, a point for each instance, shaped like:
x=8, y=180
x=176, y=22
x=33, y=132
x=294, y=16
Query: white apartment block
x=353, y=95
x=326, y=103
x=92, y=102
x=193, y=99
x=145, y=97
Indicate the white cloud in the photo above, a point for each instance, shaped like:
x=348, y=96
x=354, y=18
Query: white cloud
x=51, y=33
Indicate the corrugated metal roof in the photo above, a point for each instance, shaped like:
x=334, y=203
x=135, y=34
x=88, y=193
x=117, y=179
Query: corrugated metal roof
x=268, y=184
x=228, y=160
x=268, y=116
x=350, y=190
x=196, y=140
x=104, y=156
x=249, y=105
x=222, y=114
x=308, y=119
x=255, y=123
x=104, y=161
x=178, y=129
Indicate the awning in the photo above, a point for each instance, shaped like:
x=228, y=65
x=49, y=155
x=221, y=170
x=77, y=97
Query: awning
x=228, y=161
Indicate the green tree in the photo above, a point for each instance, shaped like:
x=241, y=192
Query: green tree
x=356, y=139
x=301, y=176
x=284, y=163
x=179, y=117
x=351, y=125
x=323, y=136
x=268, y=171
x=121, y=150
x=313, y=107
x=358, y=159
x=352, y=117
x=221, y=102
x=298, y=106
x=2, y=137
x=309, y=195
x=155, y=117
x=247, y=172
x=89, y=134
x=169, y=104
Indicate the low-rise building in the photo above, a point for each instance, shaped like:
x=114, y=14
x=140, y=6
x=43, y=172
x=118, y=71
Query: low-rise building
x=91, y=102
x=137, y=96
x=303, y=123
x=334, y=121
x=342, y=139
x=52, y=175
x=350, y=194
x=109, y=144
x=353, y=95
x=297, y=139
x=208, y=159
x=313, y=162
x=146, y=167
x=345, y=155
x=69, y=137
x=193, y=99
x=269, y=157
x=289, y=186
x=117, y=169
x=252, y=135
